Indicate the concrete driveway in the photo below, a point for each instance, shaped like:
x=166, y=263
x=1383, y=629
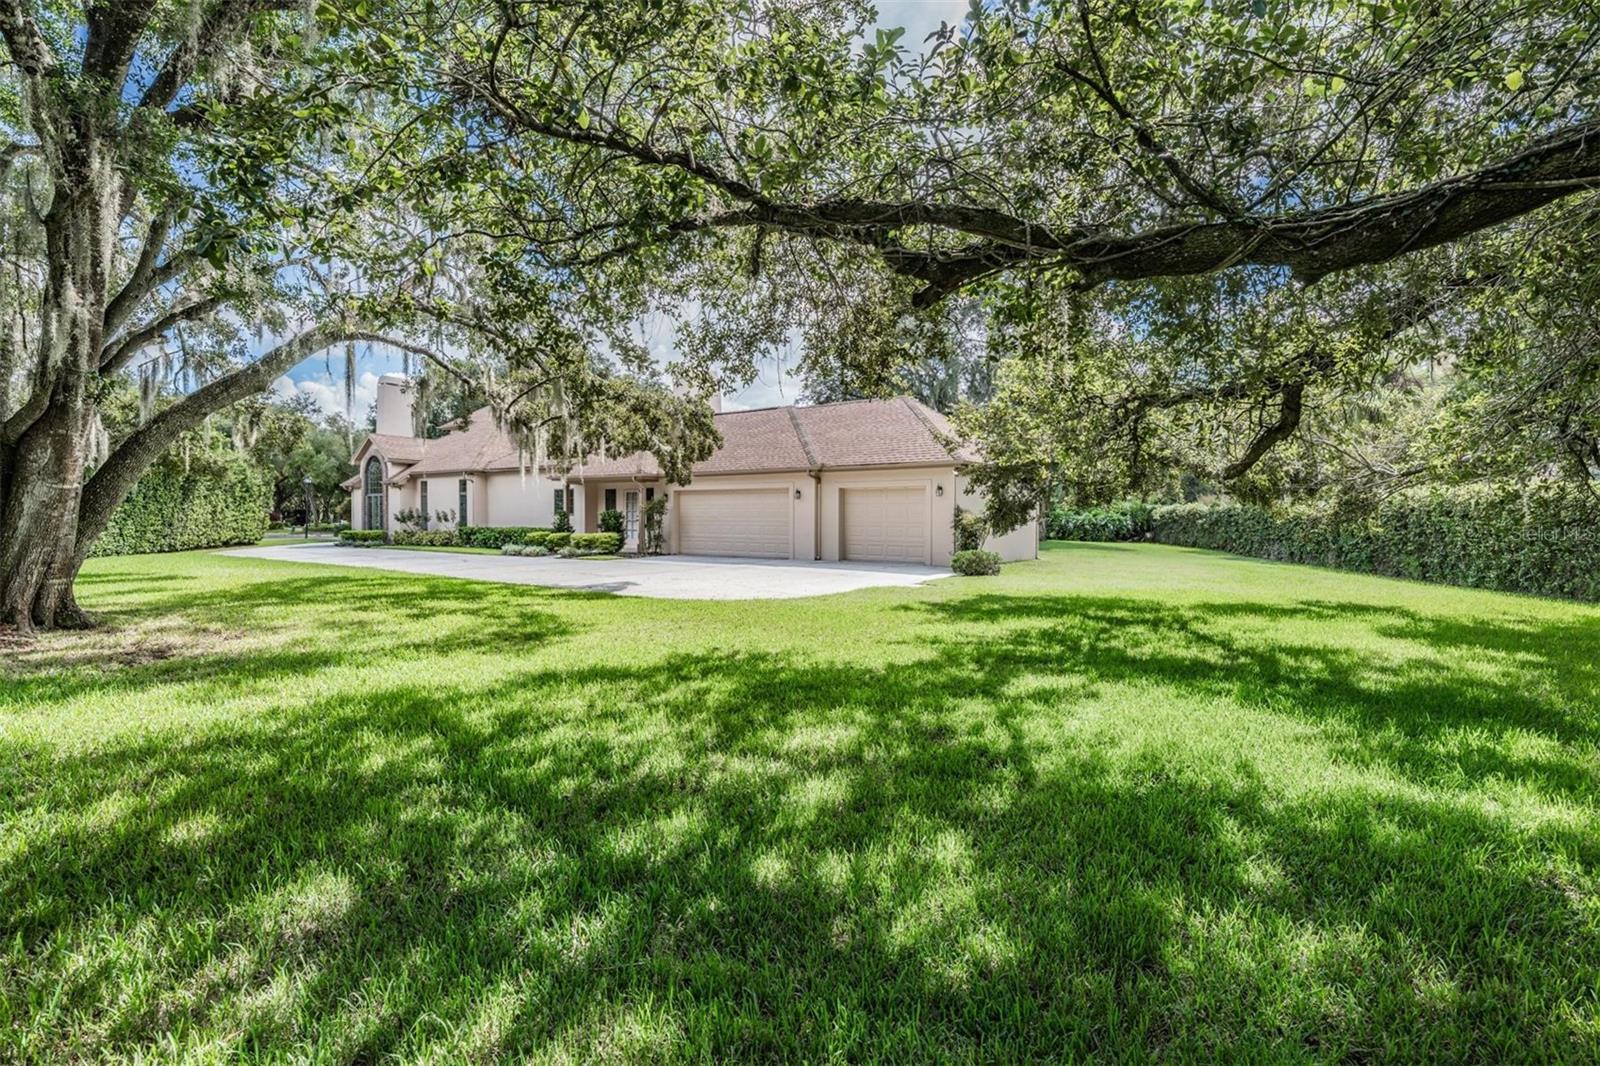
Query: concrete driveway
x=672, y=577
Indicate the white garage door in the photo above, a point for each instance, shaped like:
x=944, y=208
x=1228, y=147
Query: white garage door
x=751, y=522
x=886, y=525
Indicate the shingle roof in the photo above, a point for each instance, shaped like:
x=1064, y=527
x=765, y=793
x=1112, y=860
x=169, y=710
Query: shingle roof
x=752, y=442
x=896, y=432
x=393, y=446
x=481, y=445
x=853, y=434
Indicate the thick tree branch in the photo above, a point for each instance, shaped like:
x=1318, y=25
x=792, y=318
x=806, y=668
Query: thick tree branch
x=117, y=353
x=11, y=152
x=143, y=280
x=19, y=28
x=1290, y=407
x=111, y=36
x=1311, y=243
x=218, y=31
x=17, y=423
x=1404, y=312
x=31, y=53
x=114, y=479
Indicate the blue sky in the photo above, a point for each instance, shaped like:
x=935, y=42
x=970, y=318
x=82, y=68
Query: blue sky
x=323, y=376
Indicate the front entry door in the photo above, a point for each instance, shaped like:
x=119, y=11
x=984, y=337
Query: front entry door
x=630, y=521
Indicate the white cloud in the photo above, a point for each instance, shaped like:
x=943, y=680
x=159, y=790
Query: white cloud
x=329, y=393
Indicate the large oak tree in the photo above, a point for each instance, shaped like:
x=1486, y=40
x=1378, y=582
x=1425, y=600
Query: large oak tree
x=190, y=192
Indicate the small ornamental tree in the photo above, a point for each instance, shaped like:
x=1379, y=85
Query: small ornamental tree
x=653, y=524
x=970, y=530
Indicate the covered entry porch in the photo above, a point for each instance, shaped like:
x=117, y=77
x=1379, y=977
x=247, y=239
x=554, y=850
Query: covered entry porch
x=625, y=496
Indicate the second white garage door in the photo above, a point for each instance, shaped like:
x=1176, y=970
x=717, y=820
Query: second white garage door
x=747, y=522
x=888, y=525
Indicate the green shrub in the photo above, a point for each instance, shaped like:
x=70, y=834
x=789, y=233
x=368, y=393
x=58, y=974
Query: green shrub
x=975, y=562
x=563, y=522
x=558, y=540
x=430, y=538
x=361, y=537
x=597, y=543
x=494, y=536
x=611, y=521
x=222, y=500
x=1541, y=538
x=1124, y=520
x=971, y=530
x=538, y=537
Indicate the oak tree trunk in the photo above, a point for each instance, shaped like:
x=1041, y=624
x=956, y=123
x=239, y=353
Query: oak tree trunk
x=41, y=470
x=38, y=524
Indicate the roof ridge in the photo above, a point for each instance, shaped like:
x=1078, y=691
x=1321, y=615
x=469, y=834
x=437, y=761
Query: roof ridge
x=803, y=437
x=807, y=406
x=938, y=435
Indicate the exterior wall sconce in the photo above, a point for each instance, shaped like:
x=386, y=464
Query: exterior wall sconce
x=797, y=494
x=938, y=490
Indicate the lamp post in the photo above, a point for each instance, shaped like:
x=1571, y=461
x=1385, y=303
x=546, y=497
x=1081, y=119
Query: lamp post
x=306, y=481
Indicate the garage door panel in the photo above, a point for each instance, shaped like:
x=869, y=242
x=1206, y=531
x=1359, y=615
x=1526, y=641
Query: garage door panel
x=744, y=522
x=886, y=524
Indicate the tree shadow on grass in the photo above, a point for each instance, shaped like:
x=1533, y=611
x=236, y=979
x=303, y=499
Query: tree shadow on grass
x=251, y=637
x=767, y=856
x=1454, y=712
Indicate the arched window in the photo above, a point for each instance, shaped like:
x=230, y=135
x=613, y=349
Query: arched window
x=373, y=488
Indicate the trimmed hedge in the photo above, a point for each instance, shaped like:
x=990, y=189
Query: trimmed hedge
x=1541, y=538
x=975, y=562
x=494, y=536
x=598, y=543
x=222, y=500
x=1126, y=520
x=361, y=537
x=428, y=538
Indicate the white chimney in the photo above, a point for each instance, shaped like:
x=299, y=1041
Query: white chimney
x=716, y=403
x=394, y=405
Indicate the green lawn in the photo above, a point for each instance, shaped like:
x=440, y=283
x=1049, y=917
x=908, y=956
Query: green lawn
x=1125, y=801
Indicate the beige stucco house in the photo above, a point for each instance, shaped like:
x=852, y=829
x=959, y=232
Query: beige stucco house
x=871, y=480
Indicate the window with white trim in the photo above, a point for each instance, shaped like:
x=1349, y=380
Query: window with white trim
x=372, y=486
